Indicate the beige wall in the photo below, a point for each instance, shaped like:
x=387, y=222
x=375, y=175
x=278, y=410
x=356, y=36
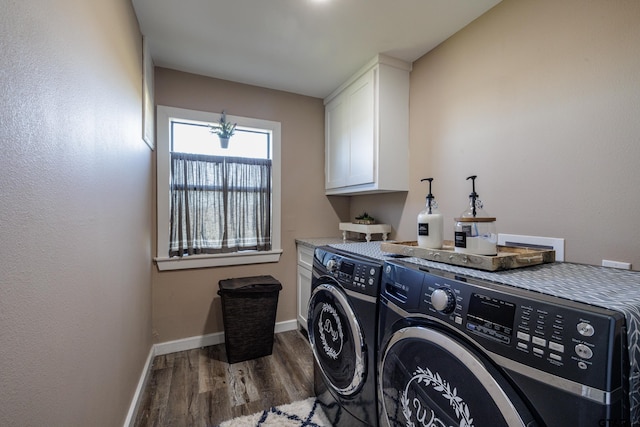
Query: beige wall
x=185, y=303
x=541, y=100
x=75, y=209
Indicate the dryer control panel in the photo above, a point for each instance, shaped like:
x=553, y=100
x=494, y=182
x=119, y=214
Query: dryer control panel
x=518, y=328
x=572, y=340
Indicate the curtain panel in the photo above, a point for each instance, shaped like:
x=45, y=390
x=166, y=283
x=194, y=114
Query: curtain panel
x=219, y=204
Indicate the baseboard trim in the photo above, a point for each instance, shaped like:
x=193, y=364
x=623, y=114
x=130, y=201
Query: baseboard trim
x=288, y=325
x=210, y=339
x=189, y=343
x=182, y=345
x=142, y=383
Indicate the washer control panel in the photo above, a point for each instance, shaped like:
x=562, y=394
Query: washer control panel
x=573, y=340
x=356, y=274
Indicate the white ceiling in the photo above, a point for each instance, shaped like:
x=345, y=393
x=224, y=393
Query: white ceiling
x=309, y=47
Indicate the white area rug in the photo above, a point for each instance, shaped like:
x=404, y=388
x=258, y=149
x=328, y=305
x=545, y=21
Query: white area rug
x=304, y=413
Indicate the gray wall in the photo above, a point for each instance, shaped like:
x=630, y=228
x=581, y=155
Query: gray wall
x=75, y=213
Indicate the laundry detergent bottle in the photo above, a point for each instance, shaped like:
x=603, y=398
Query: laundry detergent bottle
x=430, y=224
x=475, y=231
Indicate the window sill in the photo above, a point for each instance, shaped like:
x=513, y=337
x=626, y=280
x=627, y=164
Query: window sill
x=218, y=260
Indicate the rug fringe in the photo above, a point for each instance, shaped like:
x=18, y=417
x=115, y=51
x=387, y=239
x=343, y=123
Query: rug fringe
x=303, y=413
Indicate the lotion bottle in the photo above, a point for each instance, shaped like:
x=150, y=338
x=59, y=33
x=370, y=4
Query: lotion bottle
x=430, y=224
x=475, y=231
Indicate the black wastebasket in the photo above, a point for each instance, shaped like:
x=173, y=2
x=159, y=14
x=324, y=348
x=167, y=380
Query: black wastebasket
x=249, y=307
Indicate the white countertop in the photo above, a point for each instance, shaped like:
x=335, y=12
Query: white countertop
x=314, y=242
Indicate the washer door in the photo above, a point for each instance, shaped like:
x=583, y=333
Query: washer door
x=336, y=339
x=430, y=379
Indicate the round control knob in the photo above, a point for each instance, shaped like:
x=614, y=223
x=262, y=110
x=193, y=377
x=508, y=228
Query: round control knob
x=443, y=300
x=331, y=265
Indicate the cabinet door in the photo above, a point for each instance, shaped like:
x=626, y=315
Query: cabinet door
x=337, y=143
x=361, y=126
x=350, y=135
x=304, y=293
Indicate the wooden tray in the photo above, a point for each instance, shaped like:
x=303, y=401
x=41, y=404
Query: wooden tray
x=508, y=257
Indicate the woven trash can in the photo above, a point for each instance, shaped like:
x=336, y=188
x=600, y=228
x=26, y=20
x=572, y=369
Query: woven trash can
x=249, y=307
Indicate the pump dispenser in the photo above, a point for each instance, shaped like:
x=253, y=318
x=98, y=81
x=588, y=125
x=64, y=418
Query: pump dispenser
x=430, y=224
x=475, y=231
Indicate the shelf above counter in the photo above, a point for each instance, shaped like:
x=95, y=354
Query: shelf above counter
x=366, y=229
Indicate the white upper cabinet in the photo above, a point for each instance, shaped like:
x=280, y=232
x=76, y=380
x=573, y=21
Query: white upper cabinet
x=367, y=130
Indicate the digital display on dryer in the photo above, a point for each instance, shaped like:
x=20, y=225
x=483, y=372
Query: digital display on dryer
x=491, y=316
x=347, y=268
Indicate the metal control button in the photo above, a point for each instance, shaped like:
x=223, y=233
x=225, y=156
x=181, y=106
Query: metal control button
x=585, y=329
x=556, y=347
x=523, y=336
x=583, y=351
x=539, y=341
x=372, y=271
x=443, y=300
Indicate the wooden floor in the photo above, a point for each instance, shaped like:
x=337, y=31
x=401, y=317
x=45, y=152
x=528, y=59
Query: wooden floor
x=199, y=388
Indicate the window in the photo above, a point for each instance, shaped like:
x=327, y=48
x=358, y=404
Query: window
x=241, y=222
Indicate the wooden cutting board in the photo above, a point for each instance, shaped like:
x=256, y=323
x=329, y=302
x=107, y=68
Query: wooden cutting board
x=508, y=257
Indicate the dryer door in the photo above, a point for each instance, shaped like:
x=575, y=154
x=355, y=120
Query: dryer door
x=428, y=378
x=336, y=339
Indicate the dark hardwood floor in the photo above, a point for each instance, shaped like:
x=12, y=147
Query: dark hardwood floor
x=199, y=388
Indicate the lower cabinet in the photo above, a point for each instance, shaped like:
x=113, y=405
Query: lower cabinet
x=305, y=265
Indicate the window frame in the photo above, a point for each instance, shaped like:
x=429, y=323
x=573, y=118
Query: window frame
x=163, y=164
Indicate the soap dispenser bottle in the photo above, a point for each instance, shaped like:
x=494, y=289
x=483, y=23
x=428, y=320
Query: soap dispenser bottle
x=475, y=231
x=430, y=224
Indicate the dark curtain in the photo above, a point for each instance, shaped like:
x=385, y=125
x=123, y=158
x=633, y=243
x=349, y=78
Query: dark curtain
x=219, y=204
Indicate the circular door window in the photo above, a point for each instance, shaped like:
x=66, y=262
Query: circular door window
x=430, y=379
x=336, y=339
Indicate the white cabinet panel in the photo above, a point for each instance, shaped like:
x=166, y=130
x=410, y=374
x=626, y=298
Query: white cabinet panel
x=337, y=146
x=367, y=130
x=305, y=257
x=305, y=266
x=361, y=136
x=304, y=293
